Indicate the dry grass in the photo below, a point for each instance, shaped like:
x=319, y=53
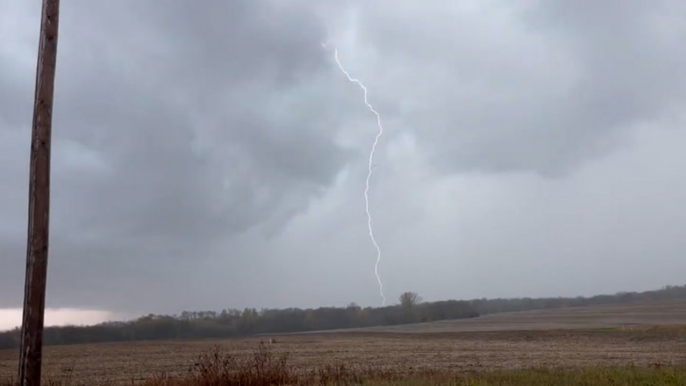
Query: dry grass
x=220, y=368
x=264, y=367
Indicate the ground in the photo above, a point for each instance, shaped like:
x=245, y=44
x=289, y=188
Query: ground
x=643, y=335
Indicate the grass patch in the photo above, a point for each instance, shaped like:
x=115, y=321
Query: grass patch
x=264, y=367
x=600, y=377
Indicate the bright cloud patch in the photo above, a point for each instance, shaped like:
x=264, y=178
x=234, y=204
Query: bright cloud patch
x=11, y=318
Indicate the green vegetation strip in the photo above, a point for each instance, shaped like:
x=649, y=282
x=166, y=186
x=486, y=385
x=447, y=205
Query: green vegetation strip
x=618, y=376
x=600, y=377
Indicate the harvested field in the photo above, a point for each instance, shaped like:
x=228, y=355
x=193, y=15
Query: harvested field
x=404, y=349
x=619, y=316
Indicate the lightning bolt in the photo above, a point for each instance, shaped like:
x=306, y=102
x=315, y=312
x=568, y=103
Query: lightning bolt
x=369, y=174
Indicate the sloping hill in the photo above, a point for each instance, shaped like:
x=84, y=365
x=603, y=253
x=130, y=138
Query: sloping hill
x=640, y=314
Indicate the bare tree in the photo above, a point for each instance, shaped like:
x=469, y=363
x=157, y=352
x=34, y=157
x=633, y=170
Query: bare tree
x=409, y=299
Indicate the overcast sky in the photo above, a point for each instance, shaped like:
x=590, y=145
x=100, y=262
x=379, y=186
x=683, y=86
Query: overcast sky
x=211, y=155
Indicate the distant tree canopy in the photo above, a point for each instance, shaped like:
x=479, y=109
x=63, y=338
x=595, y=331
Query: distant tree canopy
x=235, y=323
x=492, y=306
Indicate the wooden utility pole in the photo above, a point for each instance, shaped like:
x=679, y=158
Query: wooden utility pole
x=31, y=351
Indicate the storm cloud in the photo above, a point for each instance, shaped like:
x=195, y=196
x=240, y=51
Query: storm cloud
x=211, y=155
x=174, y=126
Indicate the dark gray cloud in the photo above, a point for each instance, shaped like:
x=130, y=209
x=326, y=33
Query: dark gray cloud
x=175, y=126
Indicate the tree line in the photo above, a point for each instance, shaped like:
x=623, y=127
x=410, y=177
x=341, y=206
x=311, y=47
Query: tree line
x=236, y=323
